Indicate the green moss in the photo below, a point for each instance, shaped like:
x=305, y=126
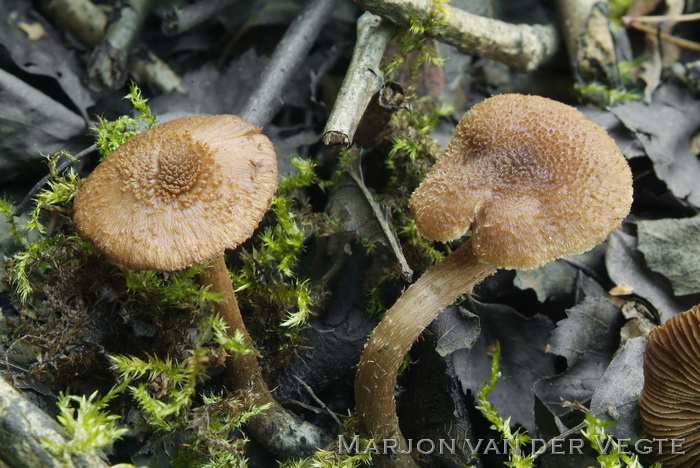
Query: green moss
x=265, y=280
x=111, y=134
x=411, y=40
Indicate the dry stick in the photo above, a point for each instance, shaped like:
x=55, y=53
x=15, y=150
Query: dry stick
x=82, y=18
x=417, y=307
x=107, y=66
x=276, y=429
x=523, y=47
x=589, y=40
x=146, y=67
x=654, y=19
x=184, y=18
x=87, y=23
x=24, y=427
x=684, y=43
x=285, y=61
x=362, y=80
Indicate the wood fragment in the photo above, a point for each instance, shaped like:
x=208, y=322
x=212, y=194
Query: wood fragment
x=146, y=67
x=82, y=18
x=521, y=46
x=290, y=53
x=107, y=65
x=182, y=18
x=23, y=427
x=363, y=79
x=589, y=40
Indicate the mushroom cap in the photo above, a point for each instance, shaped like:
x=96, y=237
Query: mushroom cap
x=178, y=194
x=533, y=178
x=670, y=400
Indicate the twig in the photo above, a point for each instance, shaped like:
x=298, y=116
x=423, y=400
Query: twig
x=107, y=67
x=60, y=167
x=146, y=67
x=684, y=43
x=563, y=435
x=523, y=47
x=355, y=172
x=362, y=80
x=654, y=19
x=24, y=427
x=318, y=400
x=285, y=61
x=87, y=23
x=589, y=40
x=184, y=18
x=82, y=18
x=390, y=98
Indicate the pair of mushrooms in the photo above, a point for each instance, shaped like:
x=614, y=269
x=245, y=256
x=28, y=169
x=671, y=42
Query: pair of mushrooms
x=532, y=178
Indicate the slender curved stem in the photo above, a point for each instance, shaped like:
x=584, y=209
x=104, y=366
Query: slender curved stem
x=276, y=429
x=419, y=305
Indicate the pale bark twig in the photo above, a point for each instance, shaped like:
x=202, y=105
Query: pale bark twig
x=82, y=18
x=523, y=47
x=183, y=18
x=589, y=40
x=107, y=67
x=285, y=61
x=680, y=42
x=87, y=23
x=24, y=428
x=146, y=67
x=655, y=19
x=362, y=80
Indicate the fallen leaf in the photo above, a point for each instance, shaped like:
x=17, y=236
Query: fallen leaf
x=455, y=328
x=52, y=59
x=615, y=397
x=667, y=136
x=557, y=280
x=587, y=338
x=523, y=360
x=626, y=264
x=672, y=247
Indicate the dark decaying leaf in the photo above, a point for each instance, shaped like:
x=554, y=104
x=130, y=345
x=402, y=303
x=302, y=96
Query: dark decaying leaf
x=557, y=280
x=629, y=144
x=626, y=265
x=333, y=342
x=672, y=247
x=46, y=56
x=212, y=90
x=615, y=397
x=587, y=339
x=31, y=124
x=456, y=329
x=433, y=406
x=523, y=359
x=667, y=136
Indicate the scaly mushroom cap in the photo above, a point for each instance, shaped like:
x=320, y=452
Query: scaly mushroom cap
x=533, y=178
x=670, y=399
x=179, y=194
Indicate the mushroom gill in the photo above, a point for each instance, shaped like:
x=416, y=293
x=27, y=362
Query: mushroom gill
x=670, y=399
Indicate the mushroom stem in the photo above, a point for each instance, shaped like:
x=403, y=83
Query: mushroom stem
x=242, y=368
x=419, y=305
x=276, y=429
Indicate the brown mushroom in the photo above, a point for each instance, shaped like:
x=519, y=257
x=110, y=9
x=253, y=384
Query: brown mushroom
x=179, y=195
x=533, y=180
x=670, y=400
